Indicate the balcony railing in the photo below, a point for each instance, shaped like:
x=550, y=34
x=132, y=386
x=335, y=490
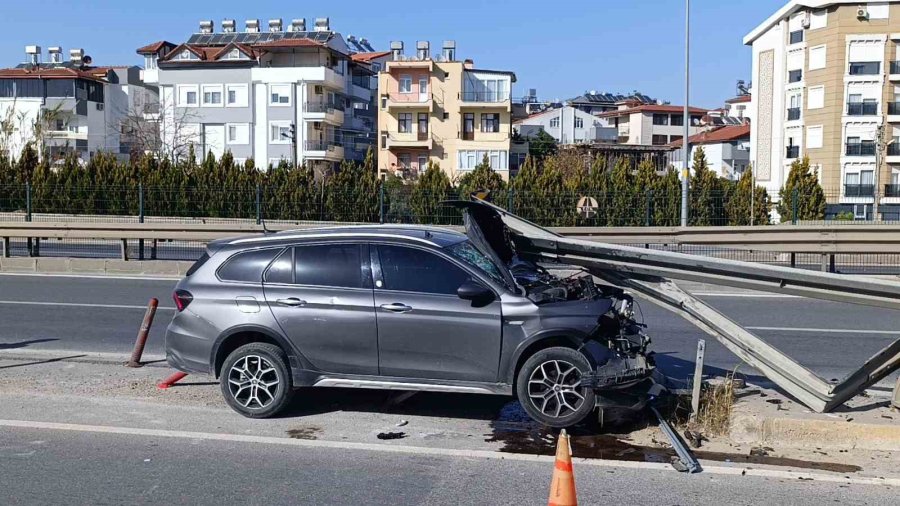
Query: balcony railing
x=492, y=97
x=859, y=190
x=320, y=145
x=792, y=152
x=894, y=108
x=862, y=109
x=793, y=114
x=895, y=67
x=325, y=107
x=467, y=136
x=892, y=190
x=423, y=136
x=410, y=98
x=362, y=81
x=862, y=149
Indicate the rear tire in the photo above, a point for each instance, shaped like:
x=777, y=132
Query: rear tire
x=255, y=380
x=548, y=387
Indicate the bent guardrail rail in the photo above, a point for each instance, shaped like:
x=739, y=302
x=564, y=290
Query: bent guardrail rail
x=648, y=273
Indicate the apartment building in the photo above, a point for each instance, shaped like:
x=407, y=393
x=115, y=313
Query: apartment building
x=567, y=125
x=443, y=110
x=652, y=124
x=67, y=106
x=594, y=102
x=826, y=82
x=727, y=150
x=282, y=93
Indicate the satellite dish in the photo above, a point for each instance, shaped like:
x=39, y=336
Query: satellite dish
x=87, y=60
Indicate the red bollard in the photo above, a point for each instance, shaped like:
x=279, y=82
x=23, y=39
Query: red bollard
x=142, y=335
x=171, y=380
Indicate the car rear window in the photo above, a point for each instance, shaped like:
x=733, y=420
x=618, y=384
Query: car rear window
x=333, y=265
x=198, y=264
x=248, y=266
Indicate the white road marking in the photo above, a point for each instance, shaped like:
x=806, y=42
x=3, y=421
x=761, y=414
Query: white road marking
x=113, y=277
x=441, y=452
x=78, y=304
x=746, y=295
x=828, y=331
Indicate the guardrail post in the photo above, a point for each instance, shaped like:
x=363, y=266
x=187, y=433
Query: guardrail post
x=124, y=250
x=28, y=241
x=36, y=248
x=140, y=218
x=258, y=204
x=381, y=203
x=831, y=266
x=153, y=249
x=793, y=260
x=6, y=252
x=795, y=197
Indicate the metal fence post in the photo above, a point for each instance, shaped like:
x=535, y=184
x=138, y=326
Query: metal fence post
x=381, y=203
x=28, y=242
x=258, y=204
x=509, y=200
x=140, y=218
x=649, y=220
x=795, y=196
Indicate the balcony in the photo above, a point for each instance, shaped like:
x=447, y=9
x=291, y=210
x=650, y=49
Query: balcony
x=323, y=150
x=486, y=99
x=397, y=140
x=871, y=68
x=862, y=109
x=793, y=114
x=859, y=190
x=892, y=190
x=792, y=152
x=409, y=101
x=861, y=149
x=324, y=111
x=895, y=70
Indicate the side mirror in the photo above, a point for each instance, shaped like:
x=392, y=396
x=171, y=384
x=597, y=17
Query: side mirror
x=474, y=291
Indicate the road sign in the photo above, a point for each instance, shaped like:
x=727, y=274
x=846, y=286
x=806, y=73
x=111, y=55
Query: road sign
x=587, y=207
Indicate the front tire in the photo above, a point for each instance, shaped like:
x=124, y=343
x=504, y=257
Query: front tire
x=549, y=387
x=255, y=380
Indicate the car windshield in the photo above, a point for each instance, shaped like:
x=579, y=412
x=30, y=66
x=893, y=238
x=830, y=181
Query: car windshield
x=468, y=253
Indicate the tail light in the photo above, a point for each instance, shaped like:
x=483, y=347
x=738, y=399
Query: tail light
x=182, y=298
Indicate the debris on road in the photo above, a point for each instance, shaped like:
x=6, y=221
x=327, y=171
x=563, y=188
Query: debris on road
x=402, y=423
x=387, y=436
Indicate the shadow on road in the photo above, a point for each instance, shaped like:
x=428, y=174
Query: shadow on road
x=24, y=344
x=38, y=362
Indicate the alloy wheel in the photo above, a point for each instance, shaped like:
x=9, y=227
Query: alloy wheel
x=253, y=382
x=553, y=388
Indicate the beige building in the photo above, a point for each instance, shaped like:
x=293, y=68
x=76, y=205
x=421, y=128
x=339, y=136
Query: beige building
x=442, y=110
x=826, y=81
x=652, y=124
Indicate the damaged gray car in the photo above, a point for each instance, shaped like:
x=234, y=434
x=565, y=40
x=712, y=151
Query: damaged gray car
x=408, y=308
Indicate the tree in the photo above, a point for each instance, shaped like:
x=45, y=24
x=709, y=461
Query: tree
x=430, y=189
x=738, y=206
x=542, y=145
x=802, y=192
x=157, y=128
x=708, y=193
x=482, y=178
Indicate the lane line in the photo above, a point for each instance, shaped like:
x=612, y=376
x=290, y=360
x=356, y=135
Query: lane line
x=113, y=277
x=441, y=452
x=79, y=304
x=746, y=295
x=828, y=331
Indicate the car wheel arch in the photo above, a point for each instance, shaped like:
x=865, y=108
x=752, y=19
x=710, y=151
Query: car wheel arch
x=550, y=338
x=236, y=337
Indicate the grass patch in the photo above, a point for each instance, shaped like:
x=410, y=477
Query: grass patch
x=716, y=406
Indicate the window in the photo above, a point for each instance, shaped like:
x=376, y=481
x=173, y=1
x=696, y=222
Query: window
x=187, y=55
x=870, y=68
x=150, y=62
x=280, y=94
x=404, y=160
x=235, y=54
x=332, y=265
x=796, y=37
x=677, y=120
x=238, y=133
x=472, y=256
x=815, y=98
x=660, y=140
x=423, y=125
x=212, y=95
x=579, y=122
x=468, y=126
x=661, y=119
x=814, y=137
x=187, y=95
x=422, y=162
x=817, y=57
x=282, y=269
x=414, y=270
x=696, y=120
x=675, y=138
x=405, y=84
x=280, y=132
x=490, y=123
x=247, y=266
x=818, y=20
x=554, y=122
x=795, y=76
x=469, y=159
x=236, y=95
x=404, y=122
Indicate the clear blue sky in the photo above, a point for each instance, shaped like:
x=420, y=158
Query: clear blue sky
x=562, y=48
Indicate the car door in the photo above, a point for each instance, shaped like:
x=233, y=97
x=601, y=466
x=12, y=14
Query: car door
x=424, y=329
x=321, y=295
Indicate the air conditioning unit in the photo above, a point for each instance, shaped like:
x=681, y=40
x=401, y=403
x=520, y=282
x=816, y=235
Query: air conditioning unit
x=862, y=13
x=317, y=125
x=805, y=22
x=317, y=89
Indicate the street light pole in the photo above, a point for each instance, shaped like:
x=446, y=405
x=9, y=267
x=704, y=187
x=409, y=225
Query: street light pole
x=880, y=148
x=685, y=173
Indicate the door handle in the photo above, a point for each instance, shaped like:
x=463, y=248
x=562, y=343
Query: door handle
x=396, y=308
x=291, y=302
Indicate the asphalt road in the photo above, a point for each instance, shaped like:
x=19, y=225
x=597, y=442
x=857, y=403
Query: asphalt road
x=41, y=466
x=85, y=314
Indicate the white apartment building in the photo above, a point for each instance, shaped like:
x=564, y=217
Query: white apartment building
x=568, y=125
x=68, y=106
x=652, y=124
x=281, y=93
x=826, y=80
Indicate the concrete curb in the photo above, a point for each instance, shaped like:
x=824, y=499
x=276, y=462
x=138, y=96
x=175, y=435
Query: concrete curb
x=171, y=268
x=814, y=434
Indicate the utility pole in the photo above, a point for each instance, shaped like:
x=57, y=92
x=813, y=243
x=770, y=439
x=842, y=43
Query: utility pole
x=881, y=145
x=687, y=113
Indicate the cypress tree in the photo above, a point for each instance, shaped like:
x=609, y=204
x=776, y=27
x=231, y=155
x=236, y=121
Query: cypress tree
x=802, y=184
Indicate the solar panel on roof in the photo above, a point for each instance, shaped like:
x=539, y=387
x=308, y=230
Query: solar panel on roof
x=240, y=37
x=193, y=39
x=252, y=38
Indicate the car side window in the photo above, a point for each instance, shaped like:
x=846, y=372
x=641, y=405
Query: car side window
x=414, y=270
x=333, y=265
x=247, y=266
x=282, y=269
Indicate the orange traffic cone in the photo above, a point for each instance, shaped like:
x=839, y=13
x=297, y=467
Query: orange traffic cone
x=562, y=487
